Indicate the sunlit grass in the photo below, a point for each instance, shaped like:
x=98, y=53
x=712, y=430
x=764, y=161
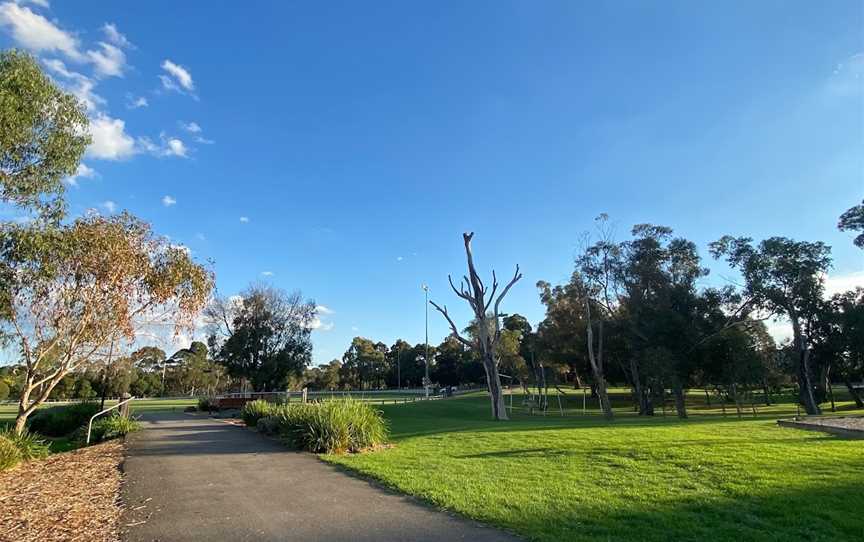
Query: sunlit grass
x=579, y=478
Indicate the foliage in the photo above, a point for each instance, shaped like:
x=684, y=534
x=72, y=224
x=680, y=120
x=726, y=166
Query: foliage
x=78, y=287
x=255, y=410
x=853, y=220
x=647, y=479
x=784, y=277
x=45, y=132
x=333, y=427
x=208, y=404
x=4, y=391
x=30, y=445
x=113, y=426
x=10, y=455
x=263, y=337
x=363, y=365
x=61, y=420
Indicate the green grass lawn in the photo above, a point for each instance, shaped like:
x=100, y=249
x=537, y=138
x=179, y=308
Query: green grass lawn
x=580, y=478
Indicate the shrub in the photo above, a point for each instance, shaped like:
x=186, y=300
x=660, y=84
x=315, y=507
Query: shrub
x=343, y=425
x=30, y=445
x=268, y=425
x=58, y=421
x=112, y=427
x=208, y=404
x=255, y=410
x=4, y=391
x=10, y=455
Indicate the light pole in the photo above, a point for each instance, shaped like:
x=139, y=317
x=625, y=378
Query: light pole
x=426, y=358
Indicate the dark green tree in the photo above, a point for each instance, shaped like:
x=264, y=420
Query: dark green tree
x=783, y=277
x=853, y=220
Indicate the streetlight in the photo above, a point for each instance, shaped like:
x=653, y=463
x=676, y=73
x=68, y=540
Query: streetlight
x=426, y=378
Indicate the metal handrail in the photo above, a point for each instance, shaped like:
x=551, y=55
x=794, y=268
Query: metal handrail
x=94, y=416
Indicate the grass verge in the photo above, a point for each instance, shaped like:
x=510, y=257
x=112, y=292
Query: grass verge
x=553, y=478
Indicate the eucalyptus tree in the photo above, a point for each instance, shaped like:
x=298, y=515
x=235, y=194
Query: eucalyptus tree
x=853, y=220
x=74, y=289
x=474, y=292
x=262, y=336
x=783, y=277
x=43, y=135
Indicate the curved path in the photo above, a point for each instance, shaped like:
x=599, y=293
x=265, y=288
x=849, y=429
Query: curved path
x=190, y=477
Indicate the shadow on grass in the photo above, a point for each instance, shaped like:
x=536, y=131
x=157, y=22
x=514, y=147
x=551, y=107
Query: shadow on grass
x=810, y=513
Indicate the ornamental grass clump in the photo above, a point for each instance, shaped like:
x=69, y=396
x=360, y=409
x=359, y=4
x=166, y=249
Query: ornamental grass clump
x=255, y=410
x=339, y=426
x=10, y=455
x=30, y=445
x=111, y=427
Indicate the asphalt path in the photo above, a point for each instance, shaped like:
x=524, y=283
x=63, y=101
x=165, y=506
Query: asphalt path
x=192, y=477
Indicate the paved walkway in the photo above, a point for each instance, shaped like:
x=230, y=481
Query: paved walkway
x=196, y=478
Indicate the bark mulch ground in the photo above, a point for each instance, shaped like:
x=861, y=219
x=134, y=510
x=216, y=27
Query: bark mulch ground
x=72, y=496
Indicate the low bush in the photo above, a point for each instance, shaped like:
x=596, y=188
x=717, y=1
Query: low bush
x=255, y=410
x=112, y=427
x=61, y=420
x=10, y=455
x=268, y=425
x=208, y=404
x=30, y=445
x=339, y=426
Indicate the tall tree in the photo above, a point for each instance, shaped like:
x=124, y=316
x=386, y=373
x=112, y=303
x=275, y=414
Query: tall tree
x=72, y=289
x=473, y=291
x=263, y=336
x=43, y=134
x=853, y=220
x=784, y=277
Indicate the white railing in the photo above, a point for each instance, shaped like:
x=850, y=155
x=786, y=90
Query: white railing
x=90, y=423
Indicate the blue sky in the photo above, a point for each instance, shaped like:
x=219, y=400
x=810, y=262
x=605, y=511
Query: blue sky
x=359, y=139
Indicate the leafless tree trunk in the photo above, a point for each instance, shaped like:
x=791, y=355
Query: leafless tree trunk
x=805, y=382
x=472, y=290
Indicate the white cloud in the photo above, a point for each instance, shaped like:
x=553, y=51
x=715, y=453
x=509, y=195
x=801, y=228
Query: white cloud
x=133, y=102
x=399, y=258
x=178, y=78
x=109, y=206
x=323, y=309
x=318, y=325
x=355, y=328
x=191, y=127
x=114, y=36
x=244, y=219
x=200, y=237
x=266, y=273
x=109, y=60
x=35, y=32
x=84, y=172
x=110, y=140
x=175, y=147
x=836, y=284
x=40, y=3
x=168, y=201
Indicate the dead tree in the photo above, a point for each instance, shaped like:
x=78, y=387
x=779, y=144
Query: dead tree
x=472, y=290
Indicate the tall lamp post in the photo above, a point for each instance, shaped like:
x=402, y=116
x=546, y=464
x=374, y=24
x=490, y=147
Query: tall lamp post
x=426, y=358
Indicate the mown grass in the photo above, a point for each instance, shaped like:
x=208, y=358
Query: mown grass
x=579, y=478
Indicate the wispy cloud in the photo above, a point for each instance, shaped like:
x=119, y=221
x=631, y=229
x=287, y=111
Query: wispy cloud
x=244, y=219
x=109, y=206
x=136, y=102
x=35, y=32
x=266, y=273
x=83, y=172
x=168, y=201
x=114, y=36
x=177, y=78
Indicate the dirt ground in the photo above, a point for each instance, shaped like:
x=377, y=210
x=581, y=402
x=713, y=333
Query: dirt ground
x=72, y=496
